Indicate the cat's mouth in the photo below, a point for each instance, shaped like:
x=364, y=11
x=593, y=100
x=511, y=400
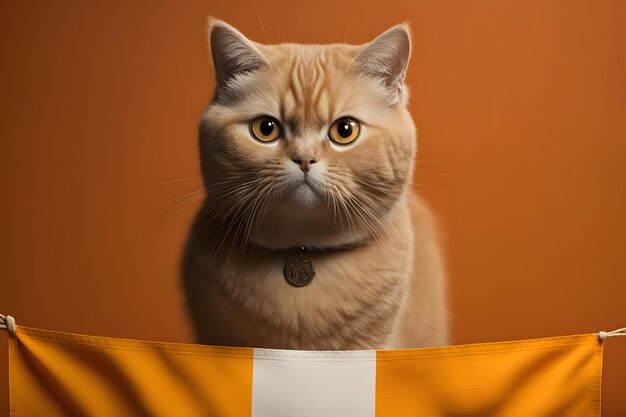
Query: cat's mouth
x=305, y=193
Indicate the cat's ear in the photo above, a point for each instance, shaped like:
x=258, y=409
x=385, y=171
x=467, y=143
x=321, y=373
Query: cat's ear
x=233, y=53
x=386, y=58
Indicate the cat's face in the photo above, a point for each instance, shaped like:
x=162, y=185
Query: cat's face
x=307, y=140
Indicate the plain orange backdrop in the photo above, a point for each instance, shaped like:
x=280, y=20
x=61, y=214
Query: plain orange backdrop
x=521, y=113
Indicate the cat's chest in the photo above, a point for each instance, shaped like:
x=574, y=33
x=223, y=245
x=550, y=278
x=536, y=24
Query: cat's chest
x=242, y=297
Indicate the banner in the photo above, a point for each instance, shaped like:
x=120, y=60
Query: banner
x=61, y=374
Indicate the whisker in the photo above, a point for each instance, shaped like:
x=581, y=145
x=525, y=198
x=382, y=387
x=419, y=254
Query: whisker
x=237, y=220
x=173, y=211
x=214, y=250
x=433, y=174
x=445, y=158
x=345, y=39
x=340, y=199
x=184, y=196
x=369, y=223
x=196, y=233
x=238, y=209
x=193, y=177
x=189, y=196
x=367, y=209
x=433, y=186
x=260, y=21
x=257, y=206
x=228, y=200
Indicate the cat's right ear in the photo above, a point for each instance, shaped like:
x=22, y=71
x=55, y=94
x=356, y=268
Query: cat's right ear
x=232, y=52
x=386, y=59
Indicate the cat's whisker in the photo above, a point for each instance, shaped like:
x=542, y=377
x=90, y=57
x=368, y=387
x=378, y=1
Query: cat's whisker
x=234, y=179
x=196, y=233
x=222, y=184
x=240, y=224
x=377, y=213
x=260, y=21
x=350, y=64
x=238, y=206
x=436, y=174
x=371, y=224
x=331, y=199
x=228, y=201
x=258, y=206
x=433, y=186
x=374, y=204
x=276, y=196
x=181, y=203
x=343, y=203
x=232, y=189
x=215, y=208
x=370, y=210
x=244, y=221
x=332, y=204
x=193, y=177
x=211, y=211
x=184, y=196
x=173, y=211
x=262, y=212
x=344, y=215
x=345, y=39
x=368, y=225
x=335, y=194
x=248, y=218
x=340, y=190
x=233, y=192
x=445, y=158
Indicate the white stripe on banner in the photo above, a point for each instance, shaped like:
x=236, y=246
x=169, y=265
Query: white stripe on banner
x=313, y=384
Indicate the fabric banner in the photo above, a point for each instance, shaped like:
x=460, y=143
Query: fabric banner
x=61, y=374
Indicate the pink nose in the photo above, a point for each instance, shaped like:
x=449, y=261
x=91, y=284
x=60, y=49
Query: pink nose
x=305, y=165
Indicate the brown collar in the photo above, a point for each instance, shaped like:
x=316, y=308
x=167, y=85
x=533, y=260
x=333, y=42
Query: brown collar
x=298, y=269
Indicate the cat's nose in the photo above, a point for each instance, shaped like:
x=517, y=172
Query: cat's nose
x=305, y=165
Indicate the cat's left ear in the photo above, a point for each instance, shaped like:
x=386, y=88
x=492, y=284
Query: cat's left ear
x=386, y=58
x=233, y=53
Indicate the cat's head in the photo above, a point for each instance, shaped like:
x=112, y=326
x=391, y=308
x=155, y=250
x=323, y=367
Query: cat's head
x=307, y=144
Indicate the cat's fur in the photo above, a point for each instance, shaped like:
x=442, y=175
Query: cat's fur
x=386, y=293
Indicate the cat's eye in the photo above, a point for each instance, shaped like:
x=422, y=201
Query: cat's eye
x=265, y=129
x=344, y=131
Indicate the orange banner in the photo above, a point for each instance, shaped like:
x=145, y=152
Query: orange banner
x=61, y=374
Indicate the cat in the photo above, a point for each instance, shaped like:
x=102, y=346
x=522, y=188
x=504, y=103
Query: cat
x=310, y=236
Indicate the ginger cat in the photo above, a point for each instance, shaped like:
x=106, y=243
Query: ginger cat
x=310, y=236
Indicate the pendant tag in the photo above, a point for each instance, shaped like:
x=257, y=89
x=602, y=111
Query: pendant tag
x=299, y=270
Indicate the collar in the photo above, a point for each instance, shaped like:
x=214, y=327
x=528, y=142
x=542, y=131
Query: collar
x=316, y=249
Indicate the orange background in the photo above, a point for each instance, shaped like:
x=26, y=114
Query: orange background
x=521, y=111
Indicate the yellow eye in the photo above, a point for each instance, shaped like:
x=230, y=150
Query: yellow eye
x=265, y=129
x=344, y=131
